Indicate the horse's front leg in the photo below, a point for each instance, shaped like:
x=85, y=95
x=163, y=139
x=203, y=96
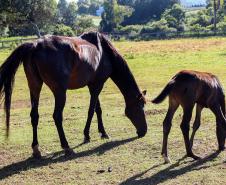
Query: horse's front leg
x=101, y=128
x=94, y=92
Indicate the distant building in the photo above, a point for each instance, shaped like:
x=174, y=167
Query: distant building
x=100, y=11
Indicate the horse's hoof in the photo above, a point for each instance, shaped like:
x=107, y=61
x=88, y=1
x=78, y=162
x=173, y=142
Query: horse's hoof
x=104, y=136
x=166, y=159
x=37, y=155
x=193, y=156
x=86, y=140
x=68, y=152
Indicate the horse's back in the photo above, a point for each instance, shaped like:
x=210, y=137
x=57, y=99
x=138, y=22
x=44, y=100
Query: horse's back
x=67, y=62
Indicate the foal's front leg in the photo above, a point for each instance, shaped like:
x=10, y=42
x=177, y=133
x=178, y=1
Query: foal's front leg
x=94, y=92
x=221, y=125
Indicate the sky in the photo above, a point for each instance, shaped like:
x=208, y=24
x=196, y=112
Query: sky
x=191, y=2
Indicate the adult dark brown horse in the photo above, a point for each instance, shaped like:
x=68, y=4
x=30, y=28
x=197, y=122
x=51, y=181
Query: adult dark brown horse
x=188, y=88
x=70, y=63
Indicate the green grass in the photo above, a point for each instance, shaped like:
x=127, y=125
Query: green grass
x=133, y=161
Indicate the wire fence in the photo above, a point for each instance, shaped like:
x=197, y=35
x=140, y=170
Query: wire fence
x=14, y=43
x=130, y=36
x=164, y=35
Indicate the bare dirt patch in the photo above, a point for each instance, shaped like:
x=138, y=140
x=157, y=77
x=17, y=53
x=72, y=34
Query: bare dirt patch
x=155, y=111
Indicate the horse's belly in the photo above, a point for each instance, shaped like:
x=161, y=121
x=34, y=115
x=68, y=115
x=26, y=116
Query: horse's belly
x=79, y=79
x=76, y=82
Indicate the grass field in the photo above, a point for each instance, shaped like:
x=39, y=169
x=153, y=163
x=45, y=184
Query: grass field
x=133, y=161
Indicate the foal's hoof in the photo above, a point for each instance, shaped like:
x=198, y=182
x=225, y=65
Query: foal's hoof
x=221, y=149
x=166, y=159
x=104, y=136
x=37, y=155
x=193, y=156
x=86, y=140
x=68, y=152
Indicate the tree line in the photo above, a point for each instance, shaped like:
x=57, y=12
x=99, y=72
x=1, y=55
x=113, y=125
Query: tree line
x=132, y=17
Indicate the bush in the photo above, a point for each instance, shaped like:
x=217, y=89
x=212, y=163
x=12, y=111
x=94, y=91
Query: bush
x=221, y=26
x=199, y=28
x=61, y=29
x=131, y=29
x=83, y=24
x=157, y=29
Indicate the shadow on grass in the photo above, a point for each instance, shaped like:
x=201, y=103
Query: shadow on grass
x=30, y=163
x=169, y=172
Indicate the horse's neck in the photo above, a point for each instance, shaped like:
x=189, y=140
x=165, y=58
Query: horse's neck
x=124, y=79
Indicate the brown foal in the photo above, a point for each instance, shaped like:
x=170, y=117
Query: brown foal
x=188, y=88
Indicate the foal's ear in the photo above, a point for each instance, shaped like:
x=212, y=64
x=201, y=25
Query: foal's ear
x=144, y=92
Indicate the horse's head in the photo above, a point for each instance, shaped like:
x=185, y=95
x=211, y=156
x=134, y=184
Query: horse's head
x=135, y=112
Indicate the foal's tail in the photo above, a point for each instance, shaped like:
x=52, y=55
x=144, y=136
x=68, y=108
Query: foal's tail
x=165, y=92
x=7, y=74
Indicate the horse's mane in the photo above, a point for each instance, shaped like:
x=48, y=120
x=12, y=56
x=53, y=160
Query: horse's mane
x=120, y=66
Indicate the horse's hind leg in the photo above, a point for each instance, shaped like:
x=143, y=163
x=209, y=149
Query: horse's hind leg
x=35, y=86
x=60, y=99
x=167, y=123
x=100, y=121
x=94, y=92
x=34, y=94
x=196, y=124
x=221, y=126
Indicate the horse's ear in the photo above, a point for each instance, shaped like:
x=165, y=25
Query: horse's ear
x=144, y=92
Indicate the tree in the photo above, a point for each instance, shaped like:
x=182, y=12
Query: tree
x=113, y=15
x=26, y=16
x=218, y=8
x=83, y=24
x=146, y=10
x=70, y=14
x=175, y=17
x=61, y=10
x=89, y=6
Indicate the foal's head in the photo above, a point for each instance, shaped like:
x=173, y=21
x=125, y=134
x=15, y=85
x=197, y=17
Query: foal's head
x=135, y=112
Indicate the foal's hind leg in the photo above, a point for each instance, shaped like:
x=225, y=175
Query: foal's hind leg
x=187, y=110
x=94, y=92
x=196, y=124
x=100, y=122
x=167, y=123
x=221, y=126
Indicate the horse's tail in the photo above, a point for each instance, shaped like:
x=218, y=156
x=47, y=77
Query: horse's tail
x=7, y=74
x=165, y=92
